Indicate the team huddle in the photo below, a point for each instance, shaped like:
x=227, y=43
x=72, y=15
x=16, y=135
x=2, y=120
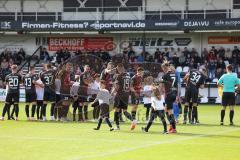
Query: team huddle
x=161, y=98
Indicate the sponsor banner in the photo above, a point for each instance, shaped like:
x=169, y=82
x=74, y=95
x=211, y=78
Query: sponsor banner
x=224, y=40
x=119, y=25
x=183, y=41
x=79, y=43
x=3, y=94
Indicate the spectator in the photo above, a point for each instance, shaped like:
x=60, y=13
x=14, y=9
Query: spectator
x=193, y=52
x=171, y=52
x=186, y=52
x=66, y=54
x=214, y=50
x=179, y=53
x=220, y=68
x=211, y=69
x=44, y=55
x=105, y=56
x=211, y=56
x=22, y=54
x=228, y=55
x=157, y=54
x=165, y=53
x=59, y=56
x=221, y=52
x=175, y=60
x=140, y=58
x=204, y=53
x=131, y=53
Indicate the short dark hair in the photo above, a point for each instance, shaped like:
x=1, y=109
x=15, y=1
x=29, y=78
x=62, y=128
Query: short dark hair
x=229, y=67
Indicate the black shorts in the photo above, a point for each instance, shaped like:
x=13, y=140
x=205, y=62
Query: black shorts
x=83, y=99
x=49, y=95
x=135, y=99
x=121, y=102
x=12, y=97
x=170, y=99
x=228, y=99
x=57, y=98
x=65, y=97
x=104, y=110
x=30, y=96
x=191, y=95
x=148, y=105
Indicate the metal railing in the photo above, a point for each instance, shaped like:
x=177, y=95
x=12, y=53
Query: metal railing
x=118, y=13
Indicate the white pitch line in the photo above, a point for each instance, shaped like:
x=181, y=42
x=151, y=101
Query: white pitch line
x=154, y=144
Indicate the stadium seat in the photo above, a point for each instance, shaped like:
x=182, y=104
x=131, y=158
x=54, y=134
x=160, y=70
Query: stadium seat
x=185, y=69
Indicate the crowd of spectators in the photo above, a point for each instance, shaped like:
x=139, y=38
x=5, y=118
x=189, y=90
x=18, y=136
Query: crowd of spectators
x=213, y=59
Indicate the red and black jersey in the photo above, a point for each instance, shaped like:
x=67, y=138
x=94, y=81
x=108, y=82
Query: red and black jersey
x=136, y=83
x=170, y=81
x=84, y=79
x=65, y=82
x=13, y=80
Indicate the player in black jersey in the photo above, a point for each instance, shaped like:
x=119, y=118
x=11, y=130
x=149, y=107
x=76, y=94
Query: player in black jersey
x=13, y=82
x=47, y=77
x=194, y=79
x=30, y=91
x=170, y=82
x=121, y=89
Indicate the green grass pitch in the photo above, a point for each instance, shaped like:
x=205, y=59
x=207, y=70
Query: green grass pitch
x=25, y=140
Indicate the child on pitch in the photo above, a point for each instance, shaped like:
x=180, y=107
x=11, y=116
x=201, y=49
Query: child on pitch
x=147, y=92
x=157, y=102
x=103, y=97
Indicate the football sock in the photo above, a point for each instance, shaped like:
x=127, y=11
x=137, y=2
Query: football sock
x=108, y=122
x=128, y=115
x=99, y=123
x=44, y=110
x=231, y=115
x=185, y=113
x=194, y=114
x=133, y=114
x=180, y=108
x=5, y=109
x=147, y=113
x=222, y=115
x=16, y=108
x=172, y=121
x=190, y=114
x=80, y=112
x=85, y=108
x=52, y=109
x=27, y=110
x=116, y=118
x=33, y=110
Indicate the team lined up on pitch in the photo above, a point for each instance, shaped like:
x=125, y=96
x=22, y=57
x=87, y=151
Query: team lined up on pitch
x=161, y=99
